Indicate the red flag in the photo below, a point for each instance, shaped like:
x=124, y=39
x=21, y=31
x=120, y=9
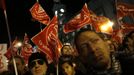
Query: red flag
x=47, y=40
x=79, y=21
x=12, y=50
x=39, y=14
x=98, y=21
x=127, y=27
x=124, y=9
x=118, y=35
x=26, y=49
x=84, y=18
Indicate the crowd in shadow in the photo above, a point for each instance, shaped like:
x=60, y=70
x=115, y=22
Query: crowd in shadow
x=92, y=55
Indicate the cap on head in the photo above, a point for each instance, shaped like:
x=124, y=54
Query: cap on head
x=35, y=56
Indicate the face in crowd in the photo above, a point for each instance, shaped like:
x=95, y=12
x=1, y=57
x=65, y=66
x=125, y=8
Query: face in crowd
x=92, y=49
x=38, y=67
x=68, y=68
x=37, y=64
x=67, y=50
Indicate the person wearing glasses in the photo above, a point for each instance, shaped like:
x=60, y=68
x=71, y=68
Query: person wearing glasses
x=38, y=64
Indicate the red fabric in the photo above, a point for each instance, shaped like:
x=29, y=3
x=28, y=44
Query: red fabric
x=97, y=21
x=26, y=49
x=8, y=53
x=12, y=50
x=79, y=21
x=127, y=27
x=85, y=17
x=124, y=9
x=47, y=40
x=119, y=34
x=39, y=14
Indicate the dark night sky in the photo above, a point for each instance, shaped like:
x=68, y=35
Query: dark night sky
x=20, y=20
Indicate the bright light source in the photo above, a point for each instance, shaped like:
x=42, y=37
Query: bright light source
x=56, y=12
x=103, y=27
x=110, y=23
x=62, y=10
x=19, y=44
x=106, y=27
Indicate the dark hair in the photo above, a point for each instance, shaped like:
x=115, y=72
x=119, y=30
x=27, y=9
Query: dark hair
x=62, y=61
x=63, y=48
x=77, y=35
x=35, y=56
x=101, y=35
x=70, y=62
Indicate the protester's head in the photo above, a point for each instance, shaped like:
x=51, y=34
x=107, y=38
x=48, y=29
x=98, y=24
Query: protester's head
x=67, y=67
x=20, y=64
x=92, y=49
x=67, y=49
x=38, y=64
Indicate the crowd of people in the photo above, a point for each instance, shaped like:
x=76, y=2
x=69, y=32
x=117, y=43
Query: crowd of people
x=92, y=55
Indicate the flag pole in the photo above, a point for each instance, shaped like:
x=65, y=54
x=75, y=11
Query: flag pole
x=40, y=27
x=116, y=6
x=57, y=71
x=40, y=23
x=9, y=36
